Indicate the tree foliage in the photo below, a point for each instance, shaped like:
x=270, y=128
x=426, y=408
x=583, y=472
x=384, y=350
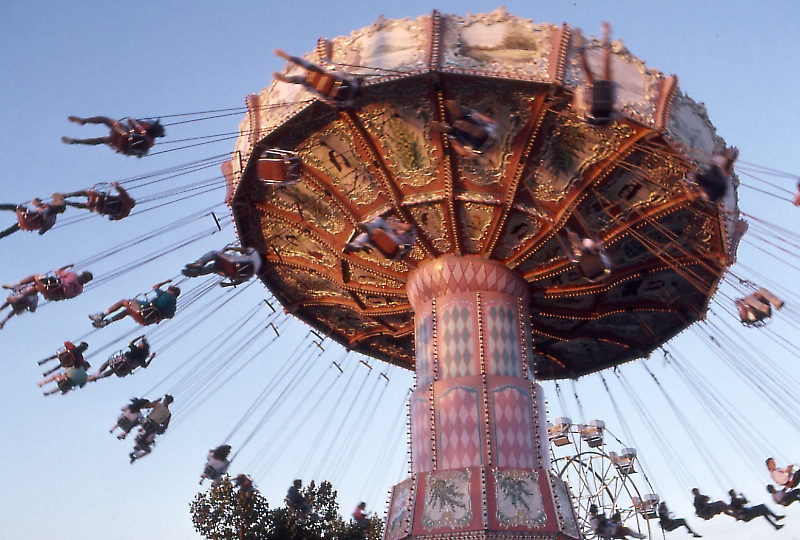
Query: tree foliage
x=228, y=513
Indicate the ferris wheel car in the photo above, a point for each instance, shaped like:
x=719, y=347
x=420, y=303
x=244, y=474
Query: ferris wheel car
x=647, y=506
x=559, y=433
x=624, y=461
x=592, y=434
x=279, y=167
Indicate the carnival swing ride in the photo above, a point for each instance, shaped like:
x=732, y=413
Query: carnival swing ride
x=488, y=202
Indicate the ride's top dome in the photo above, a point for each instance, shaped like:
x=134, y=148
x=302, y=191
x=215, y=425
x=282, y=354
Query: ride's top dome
x=549, y=174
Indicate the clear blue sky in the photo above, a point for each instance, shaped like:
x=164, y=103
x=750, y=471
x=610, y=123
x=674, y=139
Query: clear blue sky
x=64, y=476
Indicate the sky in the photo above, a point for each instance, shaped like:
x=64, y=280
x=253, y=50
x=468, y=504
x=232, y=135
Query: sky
x=279, y=400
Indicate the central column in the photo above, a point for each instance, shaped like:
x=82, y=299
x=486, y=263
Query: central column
x=479, y=449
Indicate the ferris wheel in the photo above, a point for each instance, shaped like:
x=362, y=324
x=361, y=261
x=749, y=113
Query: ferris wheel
x=614, y=481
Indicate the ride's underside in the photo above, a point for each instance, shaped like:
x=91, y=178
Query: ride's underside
x=550, y=171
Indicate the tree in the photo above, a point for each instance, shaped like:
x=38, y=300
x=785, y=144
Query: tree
x=228, y=513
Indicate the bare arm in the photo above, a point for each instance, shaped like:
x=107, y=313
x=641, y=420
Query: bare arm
x=157, y=285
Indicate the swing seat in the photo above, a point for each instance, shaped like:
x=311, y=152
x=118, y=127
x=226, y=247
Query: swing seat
x=233, y=269
x=592, y=267
x=602, y=103
x=211, y=473
x=50, y=287
x=29, y=221
x=712, y=181
x=66, y=359
x=147, y=315
x=754, y=310
x=126, y=424
x=280, y=167
x=473, y=134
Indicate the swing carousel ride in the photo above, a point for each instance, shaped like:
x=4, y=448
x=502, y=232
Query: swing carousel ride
x=444, y=195
x=493, y=295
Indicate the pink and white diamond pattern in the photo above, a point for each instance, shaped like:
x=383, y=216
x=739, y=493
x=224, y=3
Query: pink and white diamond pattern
x=424, y=350
x=451, y=274
x=458, y=431
x=420, y=434
x=456, y=342
x=512, y=427
x=501, y=339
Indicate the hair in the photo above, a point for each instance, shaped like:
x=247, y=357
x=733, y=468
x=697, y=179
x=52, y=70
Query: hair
x=85, y=277
x=174, y=290
x=82, y=347
x=770, y=488
x=222, y=452
x=297, y=483
x=769, y=459
x=156, y=129
x=138, y=403
x=168, y=399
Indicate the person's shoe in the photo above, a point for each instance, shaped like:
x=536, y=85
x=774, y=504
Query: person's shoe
x=351, y=248
x=76, y=120
x=67, y=140
x=98, y=321
x=779, y=526
x=697, y=535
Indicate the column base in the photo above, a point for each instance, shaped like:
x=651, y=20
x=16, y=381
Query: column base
x=481, y=503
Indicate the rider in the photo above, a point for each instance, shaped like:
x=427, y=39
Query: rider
x=217, y=465
x=783, y=496
x=122, y=364
x=748, y=513
x=706, y=509
x=68, y=379
x=238, y=264
x=603, y=95
x=41, y=218
x=609, y=528
x=402, y=235
x=131, y=417
x=712, y=181
x=156, y=423
x=333, y=87
x=471, y=133
x=63, y=285
x=360, y=515
x=161, y=307
x=116, y=206
x=669, y=524
x=786, y=477
x=71, y=355
x=128, y=136
x=295, y=500
x=590, y=256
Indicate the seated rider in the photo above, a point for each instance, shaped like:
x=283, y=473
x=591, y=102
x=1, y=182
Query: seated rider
x=360, y=515
x=68, y=379
x=70, y=356
x=471, y=134
x=706, y=509
x=747, y=513
x=128, y=136
x=19, y=304
x=603, y=94
x=124, y=363
x=64, y=284
x=238, y=264
x=609, y=528
x=591, y=257
x=130, y=418
x=217, y=465
x=786, y=477
x=711, y=182
x=334, y=87
x=669, y=524
x=156, y=423
x=401, y=237
x=145, y=312
x=116, y=205
x=783, y=496
x=295, y=500
x=41, y=218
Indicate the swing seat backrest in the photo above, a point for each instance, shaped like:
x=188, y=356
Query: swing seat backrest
x=592, y=267
x=29, y=221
